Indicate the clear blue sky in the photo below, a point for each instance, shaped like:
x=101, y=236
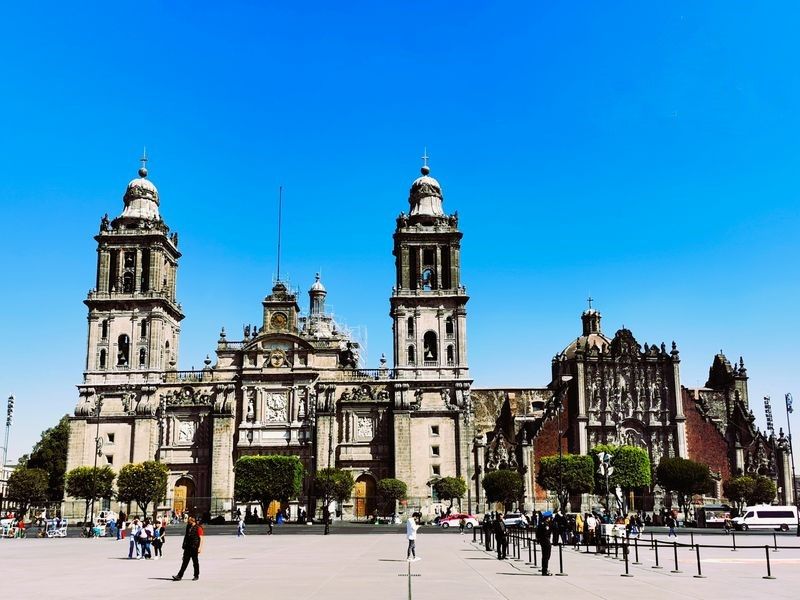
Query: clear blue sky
x=644, y=153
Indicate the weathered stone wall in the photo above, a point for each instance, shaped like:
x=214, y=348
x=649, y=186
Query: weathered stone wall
x=705, y=442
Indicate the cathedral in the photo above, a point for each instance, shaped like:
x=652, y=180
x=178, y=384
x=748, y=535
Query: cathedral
x=294, y=384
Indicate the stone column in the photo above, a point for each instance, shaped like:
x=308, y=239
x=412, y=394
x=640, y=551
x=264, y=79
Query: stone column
x=222, y=464
x=527, y=449
x=680, y=418
x=583, y=441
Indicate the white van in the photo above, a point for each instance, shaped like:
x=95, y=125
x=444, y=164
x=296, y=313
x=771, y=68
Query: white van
x=766, y=516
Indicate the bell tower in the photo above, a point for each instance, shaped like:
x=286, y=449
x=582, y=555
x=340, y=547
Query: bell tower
x=133, y=312
x=428, y=303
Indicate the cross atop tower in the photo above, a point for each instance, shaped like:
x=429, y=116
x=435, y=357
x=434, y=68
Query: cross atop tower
x=143, y=160
x=425, y=157
x=589, y=300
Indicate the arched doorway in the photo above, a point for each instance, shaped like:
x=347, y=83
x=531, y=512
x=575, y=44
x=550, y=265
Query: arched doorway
x=182, y=494
x=365, y=496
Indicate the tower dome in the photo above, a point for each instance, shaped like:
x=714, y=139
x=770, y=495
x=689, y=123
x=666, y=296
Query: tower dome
x=317, y=294
x=425, y=196
x=141, y=197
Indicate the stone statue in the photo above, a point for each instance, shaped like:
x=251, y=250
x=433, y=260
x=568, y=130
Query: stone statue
x=251, y=411
x=104, y=223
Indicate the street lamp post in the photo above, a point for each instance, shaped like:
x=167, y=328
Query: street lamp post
x=98, y=441
x=9, y=420
x=790, y=410
x=565, y=379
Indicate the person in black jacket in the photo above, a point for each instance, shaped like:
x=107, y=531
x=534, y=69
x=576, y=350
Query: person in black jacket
x=191, y=548
x=500, y=537
x=544, y=531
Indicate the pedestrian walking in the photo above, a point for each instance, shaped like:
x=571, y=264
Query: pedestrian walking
x=462, y=523
x=133, y=536
x=671, y=522
x=159, y=533
x=500, y=537
x=192, y=546
x=145, y=539
x=412, y=525
x=544, y=533
x=269, y=523
x=240, y=528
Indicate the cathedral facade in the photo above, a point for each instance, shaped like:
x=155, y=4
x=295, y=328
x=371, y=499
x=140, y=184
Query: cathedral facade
x=294, y=385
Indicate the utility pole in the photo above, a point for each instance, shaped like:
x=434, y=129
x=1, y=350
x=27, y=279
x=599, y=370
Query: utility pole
x=790, y=410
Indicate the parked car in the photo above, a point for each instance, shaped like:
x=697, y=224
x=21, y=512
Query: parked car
x=453, y=520
x=515, y=519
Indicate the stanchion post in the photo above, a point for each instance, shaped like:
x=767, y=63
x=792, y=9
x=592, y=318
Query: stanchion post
x=530, y=543
x=652, y=545
x=474, y=535
x=699, y=570
x=656, y=566
x=535, y=559
x=769, y=569
x=676, y=569
x=733, y=535
x=775, y=541
x=625, y=554
x=560, y=562
x=691, y=534
x=616, y=548
x=636, y=551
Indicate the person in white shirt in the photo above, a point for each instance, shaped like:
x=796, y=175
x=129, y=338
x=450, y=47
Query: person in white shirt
x=411, y=533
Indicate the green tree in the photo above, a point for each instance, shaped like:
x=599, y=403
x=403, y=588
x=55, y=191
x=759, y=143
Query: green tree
x=632, y=468
x=142, y=483
x=263, y=479
x=450, y=488
x=764, y=491
x=685, y=478
x=50, y=454
x=390, y=491
x=738, y=490
x=566, y=475
x=334, y=483
x=27, y=487
x=503, y=485
x=87, y=483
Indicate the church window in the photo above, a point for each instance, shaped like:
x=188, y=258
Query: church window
x=142, y=357
x=435, y=451
x=410, y=327
x=123, y=350
x=450, y=356
x=130, y=260
x=448, y=327
x=411, y=355
x=428, y=279
x=431, y=352
x=436, y=470
x=434, y=430
x=143, y=329
x=102, y=359
x=104, y=329
x=127, y=282
x=145, y=274
x=109, y=459
x=110, y=438
x=427, y=256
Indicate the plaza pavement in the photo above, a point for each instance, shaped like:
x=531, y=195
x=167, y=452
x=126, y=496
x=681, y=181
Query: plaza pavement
x=290, y=567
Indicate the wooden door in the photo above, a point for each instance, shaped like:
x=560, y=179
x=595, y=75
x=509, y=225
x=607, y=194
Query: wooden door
x=361, y=498
x=179, y=499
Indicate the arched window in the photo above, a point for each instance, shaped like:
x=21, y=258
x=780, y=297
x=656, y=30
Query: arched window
x=412, y=355
x=104, y=329
x=450, y=356
x=428, y=279
x=431, y=349
x=448, y=327
x=102, y=359
x=410, y=328
x=142, y=357
x=123, y=350
x=143, y=328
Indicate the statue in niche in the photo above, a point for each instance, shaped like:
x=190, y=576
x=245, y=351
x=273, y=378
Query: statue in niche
x=251, y=411
x=445, y=393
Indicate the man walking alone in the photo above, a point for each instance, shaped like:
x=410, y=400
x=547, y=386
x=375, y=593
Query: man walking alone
x=411, y=533
x=543, y=536
x=500, y=537
x=191, y=548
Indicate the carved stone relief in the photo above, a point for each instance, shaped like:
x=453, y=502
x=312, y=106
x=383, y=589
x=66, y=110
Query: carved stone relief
x=276, y=407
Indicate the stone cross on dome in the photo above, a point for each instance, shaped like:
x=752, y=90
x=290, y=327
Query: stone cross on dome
x=425, y=168
x=589, y=300
x=143, y=160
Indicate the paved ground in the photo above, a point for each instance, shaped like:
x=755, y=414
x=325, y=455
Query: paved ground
x=365, y=565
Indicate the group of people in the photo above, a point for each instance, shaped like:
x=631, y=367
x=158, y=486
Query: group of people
x=146, y=539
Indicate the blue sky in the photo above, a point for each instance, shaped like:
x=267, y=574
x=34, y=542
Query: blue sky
x=643, y=153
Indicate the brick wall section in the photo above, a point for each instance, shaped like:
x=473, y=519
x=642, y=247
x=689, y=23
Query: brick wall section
x=546, y=444
x=704, y=441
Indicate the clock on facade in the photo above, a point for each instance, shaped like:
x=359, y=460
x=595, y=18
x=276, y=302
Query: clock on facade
x=278, y=320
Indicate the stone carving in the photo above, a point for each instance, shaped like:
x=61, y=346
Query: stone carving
x=277, y=358
x=275, y=405
x=348, y=355
x=251, y=410
x=186, y=432
x=365, y=428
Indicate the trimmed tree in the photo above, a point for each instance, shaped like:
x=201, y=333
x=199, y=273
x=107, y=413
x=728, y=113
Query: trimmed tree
x=685, y=478
x=450, y=488
x=142, y=483
x=567, y=475
x=764, y=491
x=50, y=454
x=263, y=479
x=27, y=487
x=503, y=485
x=334, y=483
x=391, y=491
x=87, y=483
x=738, y=490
